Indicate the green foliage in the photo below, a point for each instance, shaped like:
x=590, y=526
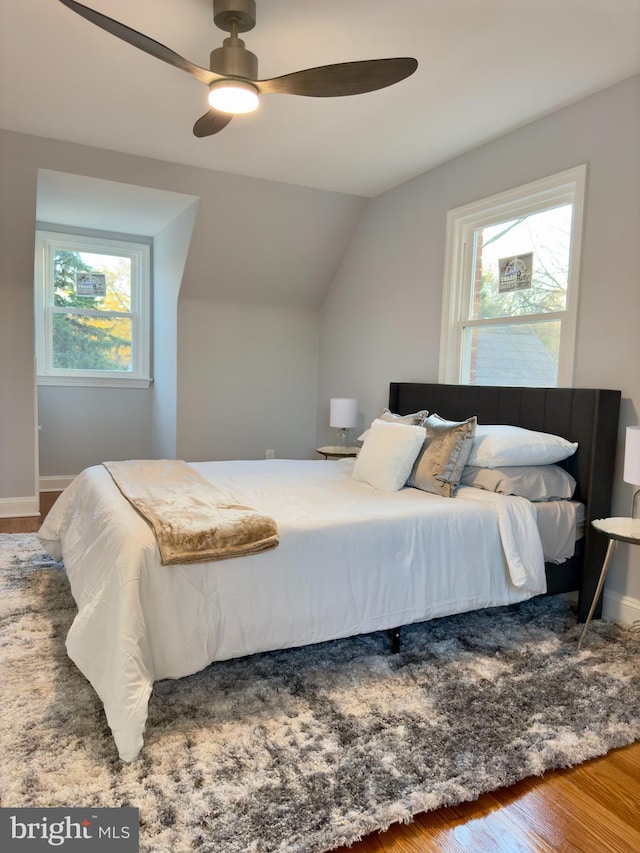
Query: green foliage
x=65, y=266
x=545, y=294
x=79, y=344
x=85, y=342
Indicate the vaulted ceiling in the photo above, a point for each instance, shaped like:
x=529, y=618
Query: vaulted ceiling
x=485, y=67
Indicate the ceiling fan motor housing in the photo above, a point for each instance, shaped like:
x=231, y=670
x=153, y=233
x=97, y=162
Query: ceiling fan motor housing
x=241, y=13
x=233, y=59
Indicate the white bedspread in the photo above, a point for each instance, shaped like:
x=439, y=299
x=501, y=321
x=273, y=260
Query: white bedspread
x=351, y=560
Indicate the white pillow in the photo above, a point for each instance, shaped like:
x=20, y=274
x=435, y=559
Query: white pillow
x=495, y=446
x=387, y=455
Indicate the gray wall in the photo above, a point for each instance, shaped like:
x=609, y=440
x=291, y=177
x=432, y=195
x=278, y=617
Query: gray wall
x=85, y=426
x=381, y=318
x=253, y=242
x=170, y=249
x=247, y=380
x=17, y=399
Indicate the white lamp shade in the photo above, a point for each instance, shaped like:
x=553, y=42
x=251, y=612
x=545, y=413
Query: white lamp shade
x=344, y=412
x=632, y=456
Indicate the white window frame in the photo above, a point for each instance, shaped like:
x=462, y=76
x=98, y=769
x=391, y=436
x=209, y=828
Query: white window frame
x=47, y=242
x=566, y=187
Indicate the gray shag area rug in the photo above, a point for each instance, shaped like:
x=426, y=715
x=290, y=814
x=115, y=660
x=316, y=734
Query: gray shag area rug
x=305, y=750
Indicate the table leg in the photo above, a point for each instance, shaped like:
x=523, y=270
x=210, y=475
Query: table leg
x=603, y=575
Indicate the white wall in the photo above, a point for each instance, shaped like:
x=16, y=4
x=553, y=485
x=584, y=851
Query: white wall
x=381, y=318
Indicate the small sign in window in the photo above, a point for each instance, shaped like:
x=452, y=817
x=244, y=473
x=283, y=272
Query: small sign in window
x=91, y=284
x=515, y=273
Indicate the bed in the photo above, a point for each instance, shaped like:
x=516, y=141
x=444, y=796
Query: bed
x=587, y=416
x=351, y=559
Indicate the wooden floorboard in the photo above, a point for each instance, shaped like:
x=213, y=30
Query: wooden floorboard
x=591, y=808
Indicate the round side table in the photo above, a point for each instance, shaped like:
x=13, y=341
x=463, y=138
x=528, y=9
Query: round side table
x=619, y=529
x=337, y=452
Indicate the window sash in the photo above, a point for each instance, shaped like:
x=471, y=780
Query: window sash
x=563, y=188
x=92, y=312
x=513, y=319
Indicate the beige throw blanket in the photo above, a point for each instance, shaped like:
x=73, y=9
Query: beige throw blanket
x=192, y=519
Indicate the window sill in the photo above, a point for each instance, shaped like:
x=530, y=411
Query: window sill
x=95, y=381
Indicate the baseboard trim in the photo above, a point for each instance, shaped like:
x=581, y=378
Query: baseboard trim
x=19, y=507
x=620, y=608
x=615, y=607
x=54, y=484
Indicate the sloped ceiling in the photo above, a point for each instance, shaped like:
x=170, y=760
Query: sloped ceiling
x=485, y=67
x=82, y=202
x=253, y=241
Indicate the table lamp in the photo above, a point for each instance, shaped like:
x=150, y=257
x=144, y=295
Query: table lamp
x=632, y=464
x=343, y=416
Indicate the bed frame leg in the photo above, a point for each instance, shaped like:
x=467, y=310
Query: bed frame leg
x=394, y=636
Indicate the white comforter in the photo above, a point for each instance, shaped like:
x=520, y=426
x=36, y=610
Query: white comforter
x=351, y=560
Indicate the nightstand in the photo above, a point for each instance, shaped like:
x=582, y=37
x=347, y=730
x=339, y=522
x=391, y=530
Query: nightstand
x=618, y=530
x=337, y=452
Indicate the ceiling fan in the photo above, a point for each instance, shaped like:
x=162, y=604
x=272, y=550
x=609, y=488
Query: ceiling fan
x=232, y=77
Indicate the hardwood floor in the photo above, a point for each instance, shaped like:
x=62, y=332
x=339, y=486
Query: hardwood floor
x=591, y=808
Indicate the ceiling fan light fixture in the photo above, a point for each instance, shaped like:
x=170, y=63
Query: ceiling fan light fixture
x=233, y=96
x=232, y=76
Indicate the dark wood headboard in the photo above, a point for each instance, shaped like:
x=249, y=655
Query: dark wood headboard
x=586, y=415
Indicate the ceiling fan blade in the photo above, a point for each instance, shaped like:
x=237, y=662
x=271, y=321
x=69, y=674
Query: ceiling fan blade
x=343, y=78
x=142, y=42
x=211, y=122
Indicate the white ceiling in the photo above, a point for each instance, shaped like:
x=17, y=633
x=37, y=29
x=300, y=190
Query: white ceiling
x=485, y=67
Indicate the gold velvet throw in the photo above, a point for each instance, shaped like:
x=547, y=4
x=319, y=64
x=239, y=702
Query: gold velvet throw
x=193, y=520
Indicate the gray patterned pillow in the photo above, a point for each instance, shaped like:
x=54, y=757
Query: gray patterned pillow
x=444, y=454
x=414, y=419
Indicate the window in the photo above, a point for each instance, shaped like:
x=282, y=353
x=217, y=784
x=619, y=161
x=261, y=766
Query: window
x=511, y=285
x=92, y=305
